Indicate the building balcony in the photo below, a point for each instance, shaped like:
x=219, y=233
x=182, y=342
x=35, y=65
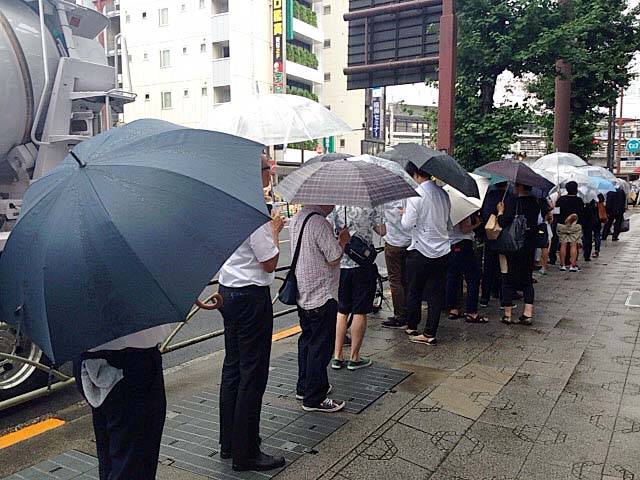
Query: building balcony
x=304, y=74
x=307, y=33
x=220, y=27
x=221, y=72
x=112, y=10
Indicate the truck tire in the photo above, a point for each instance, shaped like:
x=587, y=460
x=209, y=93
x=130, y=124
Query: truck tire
x=17, y=378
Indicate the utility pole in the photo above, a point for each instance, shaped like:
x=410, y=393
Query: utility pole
x=620, y=124
x=447, y=77
x=562, y=112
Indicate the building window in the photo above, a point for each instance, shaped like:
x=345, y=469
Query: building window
x=185, y=93
x=327, y=10
x=165, y=58
x=184, y=50
x=219, y=6
x=327, y=77
x=144, y=15
x=147, y=97
x=328, y=107
x=145, y=57
x=129, y=58
x=163, y=15
x=166, y=100
x=327, y=43
x=201, y=3
x=343, y=143
x=222, y=94
x=204, y=91
x=203, y=47
x=127, y=18
x=183, y=8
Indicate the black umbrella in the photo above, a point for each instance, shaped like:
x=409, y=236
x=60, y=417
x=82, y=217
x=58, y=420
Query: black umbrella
x=518, y=172
x=327, y=157
x=438, y=164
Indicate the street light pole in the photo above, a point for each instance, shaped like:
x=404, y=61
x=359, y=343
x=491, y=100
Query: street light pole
x=562, y=111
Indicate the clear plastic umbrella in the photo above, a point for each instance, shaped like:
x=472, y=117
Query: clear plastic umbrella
x=596, y=171
x=275, y=119
x=558, y=159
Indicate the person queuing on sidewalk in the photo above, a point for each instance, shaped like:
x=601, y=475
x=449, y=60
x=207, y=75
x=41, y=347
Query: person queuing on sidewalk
x=545, y=241
x=464, y=264
x=123, y=383
x=245, y=281
x=590, y=229
x=318, y=277
x=517, y=268
x=570, y=226
x=428, y=219
x=396, y=242
x=616, y=205
x=491, y=267
x=357, y=284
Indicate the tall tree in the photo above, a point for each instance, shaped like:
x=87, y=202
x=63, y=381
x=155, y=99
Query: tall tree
x=600, y=40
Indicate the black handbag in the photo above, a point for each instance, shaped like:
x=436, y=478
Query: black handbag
x=288, y=293
x=361, y=252
x=511, y=238
x=542, y=236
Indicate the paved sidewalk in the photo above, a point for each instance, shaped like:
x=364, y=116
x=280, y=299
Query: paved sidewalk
x=557, y=400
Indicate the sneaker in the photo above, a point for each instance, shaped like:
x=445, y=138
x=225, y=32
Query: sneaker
x=358, y=364
x=574, y=268
x=301, y=397
x=327, y=406
x=337, y=364
x=395, y=323
x=596, y=254
x=542, y=272
x=562, y=268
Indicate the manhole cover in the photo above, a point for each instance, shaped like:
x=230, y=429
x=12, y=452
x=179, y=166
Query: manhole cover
x=633, y=299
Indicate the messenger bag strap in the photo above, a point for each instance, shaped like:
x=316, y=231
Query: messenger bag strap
x=294, y=262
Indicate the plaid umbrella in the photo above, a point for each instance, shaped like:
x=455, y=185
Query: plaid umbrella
x=517, y=172
x=438, y=164
x=353, y=183
x=327, y=157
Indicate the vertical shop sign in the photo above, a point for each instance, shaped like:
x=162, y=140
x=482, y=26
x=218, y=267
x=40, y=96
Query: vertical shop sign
x=278, y=47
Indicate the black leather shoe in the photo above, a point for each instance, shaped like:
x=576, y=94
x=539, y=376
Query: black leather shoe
x=259, y=463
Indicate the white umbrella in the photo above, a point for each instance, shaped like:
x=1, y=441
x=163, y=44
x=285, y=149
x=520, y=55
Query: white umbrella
x=558, y=159
x=463, y=206
x=390, y=165
x=596, y=171
x=275, y=119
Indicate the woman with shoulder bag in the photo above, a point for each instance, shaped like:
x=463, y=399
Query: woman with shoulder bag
x=517, y=266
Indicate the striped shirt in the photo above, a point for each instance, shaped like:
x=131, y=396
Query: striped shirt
x=317, y=280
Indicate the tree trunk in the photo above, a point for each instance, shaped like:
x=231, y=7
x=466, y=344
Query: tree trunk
x=488, y=89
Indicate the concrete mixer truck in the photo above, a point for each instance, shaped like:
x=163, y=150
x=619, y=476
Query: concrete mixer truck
x=57, y=90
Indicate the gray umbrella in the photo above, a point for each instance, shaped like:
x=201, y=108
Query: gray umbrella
x=353, y=183
x=327, y=157
x=517, y=172
x=433, y=162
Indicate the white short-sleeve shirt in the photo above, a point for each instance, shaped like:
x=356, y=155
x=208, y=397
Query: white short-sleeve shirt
x=243, y=268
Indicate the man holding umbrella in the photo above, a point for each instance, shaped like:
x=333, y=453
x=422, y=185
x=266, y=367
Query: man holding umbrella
x=248, y=326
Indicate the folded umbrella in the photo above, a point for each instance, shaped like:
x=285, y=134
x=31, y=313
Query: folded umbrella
x=344, y=182
x=438, y=164
x=517, y=172
x=275, y=119
x=463, y=206
x=126, y=232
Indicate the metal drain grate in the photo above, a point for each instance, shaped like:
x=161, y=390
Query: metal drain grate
x=190, y=439
x=71, y=465
x=633, y=299
x=358, y=389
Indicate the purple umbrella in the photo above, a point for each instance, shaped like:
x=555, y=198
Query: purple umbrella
x=517, y=172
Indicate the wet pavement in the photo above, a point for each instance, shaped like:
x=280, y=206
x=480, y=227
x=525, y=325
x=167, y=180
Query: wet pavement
x=557, y=400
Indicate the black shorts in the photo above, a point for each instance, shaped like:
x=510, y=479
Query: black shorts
x=357, y=290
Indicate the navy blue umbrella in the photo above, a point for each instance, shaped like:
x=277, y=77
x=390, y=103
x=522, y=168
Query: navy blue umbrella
x=126, y=232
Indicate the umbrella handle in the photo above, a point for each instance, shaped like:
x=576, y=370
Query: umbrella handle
x=211, y=306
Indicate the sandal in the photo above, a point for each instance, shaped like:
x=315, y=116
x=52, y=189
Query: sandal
x=411, y=332
x=477, y=319
x=508, y=320
x=456, y=316
x=524, y=320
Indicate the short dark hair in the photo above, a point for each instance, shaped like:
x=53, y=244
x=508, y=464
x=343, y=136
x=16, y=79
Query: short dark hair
x=411, y=169
x=572, y=188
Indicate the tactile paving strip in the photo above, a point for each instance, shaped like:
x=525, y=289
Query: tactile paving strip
x=71, y=465
x=190, y=439
x=359, y=388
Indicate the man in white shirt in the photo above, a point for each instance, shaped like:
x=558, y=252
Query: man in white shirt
x=247, y=311
x=428, y=219
x=396, y=242
x=123, y=383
